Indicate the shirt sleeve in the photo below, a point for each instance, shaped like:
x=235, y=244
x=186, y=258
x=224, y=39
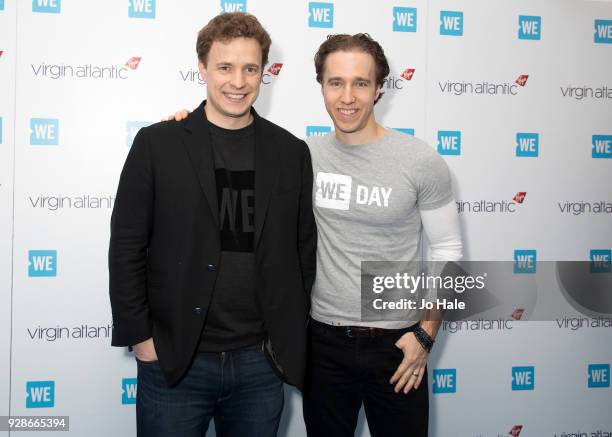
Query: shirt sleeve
x=434, y=185
x=441, y=225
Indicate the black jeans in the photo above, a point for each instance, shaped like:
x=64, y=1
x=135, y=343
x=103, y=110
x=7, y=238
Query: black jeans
x=346, y=372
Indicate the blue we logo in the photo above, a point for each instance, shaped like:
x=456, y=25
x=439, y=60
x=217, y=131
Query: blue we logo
x=44, y=131
x=603, y=32
x=404, y=19
x=449, y=142
x=527, y=145
x=451, y=23
x=320, y=15
x=523, y=378
x=598, y=376
x=47, y=6
x=42, y=263
x=601, y=146
x=530, y=27
x=129, y=389
x=233, y=6
x=40, y=394
x=141, y=9
x=525, y=261
x=317, y=131
x=444, y=381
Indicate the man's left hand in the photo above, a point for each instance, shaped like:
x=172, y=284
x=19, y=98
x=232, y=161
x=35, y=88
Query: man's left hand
x=410, y=371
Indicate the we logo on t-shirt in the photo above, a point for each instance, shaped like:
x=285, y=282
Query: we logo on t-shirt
x=333, y=191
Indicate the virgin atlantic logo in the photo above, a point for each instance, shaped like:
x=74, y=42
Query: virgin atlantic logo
x=522, y=80
x=275, y=68
x=133, y=62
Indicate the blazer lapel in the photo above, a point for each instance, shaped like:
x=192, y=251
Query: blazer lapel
x=266, y=173
x=196, y=138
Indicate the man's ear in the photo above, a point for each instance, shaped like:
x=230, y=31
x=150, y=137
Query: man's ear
x=202, y=69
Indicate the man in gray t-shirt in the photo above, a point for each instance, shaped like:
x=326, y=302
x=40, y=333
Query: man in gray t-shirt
x=369, y=213
x=374, y=192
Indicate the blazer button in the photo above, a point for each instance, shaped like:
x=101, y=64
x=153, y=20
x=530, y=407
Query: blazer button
x=197, y=311
x=211, y=267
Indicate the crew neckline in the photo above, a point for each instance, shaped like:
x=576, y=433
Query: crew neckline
x=241, y=132
x=336, y=143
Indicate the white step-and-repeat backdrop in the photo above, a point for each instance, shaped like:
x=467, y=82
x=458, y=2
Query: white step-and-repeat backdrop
x=516, y=95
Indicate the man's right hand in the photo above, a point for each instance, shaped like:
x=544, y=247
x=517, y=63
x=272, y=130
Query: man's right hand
x=178, y=115
x=145, y=351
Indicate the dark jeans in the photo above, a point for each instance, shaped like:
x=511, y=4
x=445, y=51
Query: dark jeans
x=238, y=389
x=345, y=373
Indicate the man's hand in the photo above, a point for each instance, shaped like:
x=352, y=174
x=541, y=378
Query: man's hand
x=178, y=115
x=410, y=371
x=145, y=351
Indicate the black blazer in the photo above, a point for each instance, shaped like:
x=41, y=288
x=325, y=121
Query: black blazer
x=165, y=242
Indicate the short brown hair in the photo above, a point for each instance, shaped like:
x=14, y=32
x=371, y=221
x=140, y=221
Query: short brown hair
x=226, y=27
x=360, y=41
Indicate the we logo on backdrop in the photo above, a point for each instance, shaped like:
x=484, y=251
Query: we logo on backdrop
x=451, y=23
x=527, y=144
x=603, y=32
x=233, y=6
x=44, y=131
x=444, y=381
x=317, y=130
x=449, y=142
x=42, y=263
x=523, y=378
x=601, y=146
x=40, y=394
x=404, y=19
x=141, y=9
x=129, y=389
x=47, y=6
x=598, y=376
x=525, y=261
x=320, y=14
x=530, y=27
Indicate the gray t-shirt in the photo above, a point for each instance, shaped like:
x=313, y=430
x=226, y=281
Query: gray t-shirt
x=366, y=201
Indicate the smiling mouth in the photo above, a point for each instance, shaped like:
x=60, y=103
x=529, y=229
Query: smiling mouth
x=234, y=97
x=347, y=112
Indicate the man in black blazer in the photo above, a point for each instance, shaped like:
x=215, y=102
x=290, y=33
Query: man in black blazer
x=212, y=252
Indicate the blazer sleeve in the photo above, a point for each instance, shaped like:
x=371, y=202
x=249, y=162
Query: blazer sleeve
x=131, y=225
x=307, y=229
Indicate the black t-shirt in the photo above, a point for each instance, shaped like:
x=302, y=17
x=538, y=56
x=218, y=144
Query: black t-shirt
x=234, y=319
